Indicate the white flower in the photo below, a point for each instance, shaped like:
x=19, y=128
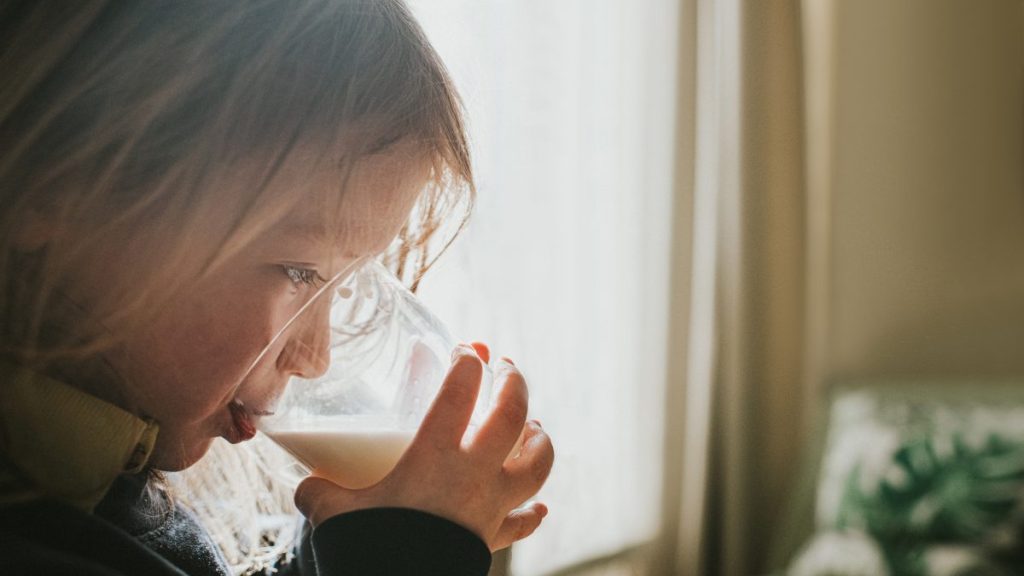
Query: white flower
x=840, y=553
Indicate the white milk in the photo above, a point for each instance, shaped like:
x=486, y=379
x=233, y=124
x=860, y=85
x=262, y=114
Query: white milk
x=353, y=454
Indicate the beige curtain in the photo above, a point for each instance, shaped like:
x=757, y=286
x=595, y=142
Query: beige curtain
x=762, y=286
x=737, y=363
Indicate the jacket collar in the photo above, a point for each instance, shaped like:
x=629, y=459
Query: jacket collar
x=59, y=442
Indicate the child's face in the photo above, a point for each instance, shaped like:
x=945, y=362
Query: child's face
x=188, y=367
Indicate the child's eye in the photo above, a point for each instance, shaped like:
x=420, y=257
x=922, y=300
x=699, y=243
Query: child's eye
x=299, y=275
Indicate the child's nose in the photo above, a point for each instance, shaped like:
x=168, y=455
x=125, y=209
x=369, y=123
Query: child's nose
x=307, y=353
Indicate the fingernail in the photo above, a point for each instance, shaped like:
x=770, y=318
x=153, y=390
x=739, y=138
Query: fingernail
x=504, y=365
x=463, y=349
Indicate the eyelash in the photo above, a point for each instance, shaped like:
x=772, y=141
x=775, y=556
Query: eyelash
x=299, y=275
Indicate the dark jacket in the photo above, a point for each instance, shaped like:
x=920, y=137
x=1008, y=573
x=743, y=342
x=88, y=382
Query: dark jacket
x=136, y=530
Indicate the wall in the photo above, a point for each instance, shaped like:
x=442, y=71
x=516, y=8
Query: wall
x=924, y=239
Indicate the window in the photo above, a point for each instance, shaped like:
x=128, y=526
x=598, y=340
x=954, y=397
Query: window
x=564, y=266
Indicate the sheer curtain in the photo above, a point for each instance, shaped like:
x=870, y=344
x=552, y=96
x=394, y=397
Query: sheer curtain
x=565, y=265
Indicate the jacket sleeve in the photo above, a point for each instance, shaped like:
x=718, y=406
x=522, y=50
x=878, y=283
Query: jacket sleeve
x=397, y=542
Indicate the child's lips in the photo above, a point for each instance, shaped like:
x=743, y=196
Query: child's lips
x=242, y=426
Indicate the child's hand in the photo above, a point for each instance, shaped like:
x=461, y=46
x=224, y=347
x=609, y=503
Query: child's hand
x=477, y=485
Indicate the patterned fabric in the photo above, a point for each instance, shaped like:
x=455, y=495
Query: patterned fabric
x=138, y=506
x=921, y=480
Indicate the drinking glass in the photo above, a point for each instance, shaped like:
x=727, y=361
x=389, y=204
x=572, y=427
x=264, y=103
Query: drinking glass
x=388, y=357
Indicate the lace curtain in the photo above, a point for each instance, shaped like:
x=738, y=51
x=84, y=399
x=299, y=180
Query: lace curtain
x=565, y=265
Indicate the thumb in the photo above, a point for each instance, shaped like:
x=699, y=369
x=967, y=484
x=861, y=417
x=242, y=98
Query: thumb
x=318, y=499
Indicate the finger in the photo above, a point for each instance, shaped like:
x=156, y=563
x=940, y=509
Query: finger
x=518, y=525
x=449, y=415
x=482, y=351
x=319, y=499
x=531, y=468
x=498, y=434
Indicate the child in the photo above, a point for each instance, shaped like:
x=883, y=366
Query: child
x=178, y=180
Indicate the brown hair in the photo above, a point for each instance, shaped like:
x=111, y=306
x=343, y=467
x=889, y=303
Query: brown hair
x=124, y=116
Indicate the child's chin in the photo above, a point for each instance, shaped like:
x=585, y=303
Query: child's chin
x=180, y=459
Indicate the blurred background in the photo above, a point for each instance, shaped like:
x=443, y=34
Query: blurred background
x=762, y=263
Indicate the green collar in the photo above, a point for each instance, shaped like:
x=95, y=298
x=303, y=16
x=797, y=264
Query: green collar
x=59, y=442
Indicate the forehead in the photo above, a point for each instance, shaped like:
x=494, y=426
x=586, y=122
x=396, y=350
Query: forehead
x=356, y=208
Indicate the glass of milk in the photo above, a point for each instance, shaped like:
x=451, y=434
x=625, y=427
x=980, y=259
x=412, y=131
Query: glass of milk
x=388, y=357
